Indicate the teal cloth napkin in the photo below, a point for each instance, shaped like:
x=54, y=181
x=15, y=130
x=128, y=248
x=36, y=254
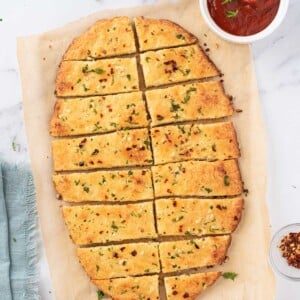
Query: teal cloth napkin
x=18, y=221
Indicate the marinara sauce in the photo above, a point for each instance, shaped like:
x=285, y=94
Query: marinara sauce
x=243, y=17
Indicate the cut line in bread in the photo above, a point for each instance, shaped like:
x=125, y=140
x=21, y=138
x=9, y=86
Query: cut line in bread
x=106, y=262
x=130, y=288
x=157, y=34
x=105, y=38
x=105, y=186
x=177, y=216
x=173, y=65
x=197, y=178
x=101, y=77
x=99, y=114
x=92, y=224
x=189, y=286
x=196, y=253
x=188, y=102
x=121, y=148
x=194, y=141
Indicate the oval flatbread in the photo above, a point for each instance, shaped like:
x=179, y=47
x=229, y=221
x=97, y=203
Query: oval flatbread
x=151, y=189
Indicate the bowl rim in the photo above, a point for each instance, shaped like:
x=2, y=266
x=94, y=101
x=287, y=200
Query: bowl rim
x=272, y=262
x=281, y=13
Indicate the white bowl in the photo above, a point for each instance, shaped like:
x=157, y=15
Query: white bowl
x=283, y=6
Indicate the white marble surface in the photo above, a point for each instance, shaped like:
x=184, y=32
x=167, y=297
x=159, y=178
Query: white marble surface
x=277, y=62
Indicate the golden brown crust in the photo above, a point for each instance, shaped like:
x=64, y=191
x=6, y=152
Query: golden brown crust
x=197, y=216
x=157, y=34
x=196, y=253
x=189, y=286
x=90, y=78
x=197, y=178
x=104, y=186
x=188, y=102
x=98, y=114
x=108, y=262
x=91, y=224
x=121, y=148
x=108, y=37
x=176, y=65
x=130, y=288
x=197, y=141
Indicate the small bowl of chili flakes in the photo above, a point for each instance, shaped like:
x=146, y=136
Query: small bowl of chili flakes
x=285, y=251
x=243, y=21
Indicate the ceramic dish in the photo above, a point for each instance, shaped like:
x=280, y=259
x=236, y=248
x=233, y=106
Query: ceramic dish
x=283, y=6
x=278, y=262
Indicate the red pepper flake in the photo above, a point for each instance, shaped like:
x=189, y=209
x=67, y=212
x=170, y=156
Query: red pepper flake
x=290, y=249
x=82, y=143
x=172, y=63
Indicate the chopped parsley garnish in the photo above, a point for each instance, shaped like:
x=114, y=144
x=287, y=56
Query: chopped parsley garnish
x=130, y=172
x=147, y=143
x=86, y=189
x=226, y=180
x=128, y=77
x=100, y=295
x=85, y=88
x=96, y=127
x=227, y=1
x=229, y=275
x=147, y=58
x=184, y=72
x=187, y=96
x=95, y=152
x=114, y=226
x=85, y=69
x=174, y=107
x=180, y=36
x=98, y=71
x=208, y=190
x=231, y=13
x=177, y=219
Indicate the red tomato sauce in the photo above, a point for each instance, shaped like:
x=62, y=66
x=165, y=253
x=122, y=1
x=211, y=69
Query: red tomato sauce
x=243, y=17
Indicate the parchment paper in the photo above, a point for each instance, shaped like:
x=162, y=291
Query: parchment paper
x=39, y=57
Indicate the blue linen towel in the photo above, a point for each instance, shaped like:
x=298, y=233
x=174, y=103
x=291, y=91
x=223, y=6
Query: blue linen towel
x=18, y=221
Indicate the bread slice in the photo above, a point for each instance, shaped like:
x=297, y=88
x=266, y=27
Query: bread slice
x=196, y=253
x=108, y=37
x=98, y=114
x=121, y=148
x=91, y=224
x=197, y=141
x=90, y=78
x=188, y=102
x=108, y=262
x=176, y=65
x=115, y=186
x=156, y=34
x=189, y=286
x=130, y=288
x=197, y=178
x=192, y=216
